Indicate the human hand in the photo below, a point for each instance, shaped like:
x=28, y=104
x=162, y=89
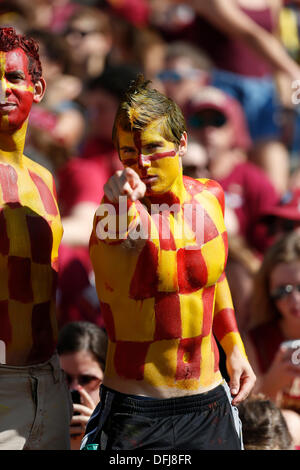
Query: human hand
x=242, y=377
x=84, y=410
x=126, y=182
x=281, y=373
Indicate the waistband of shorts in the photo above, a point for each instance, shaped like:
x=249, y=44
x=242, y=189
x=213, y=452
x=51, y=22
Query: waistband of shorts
x=122, y=403
x=51, y=365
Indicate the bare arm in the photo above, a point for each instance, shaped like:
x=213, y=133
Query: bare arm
x=78, y=225
x=229, y=18
x=241, y=375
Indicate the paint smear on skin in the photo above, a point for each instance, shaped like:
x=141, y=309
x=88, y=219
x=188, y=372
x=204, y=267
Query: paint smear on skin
x=9, y=184
x=45, y=194
x=20, y=93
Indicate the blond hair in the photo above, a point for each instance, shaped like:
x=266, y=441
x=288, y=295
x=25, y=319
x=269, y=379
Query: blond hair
x=143, y=105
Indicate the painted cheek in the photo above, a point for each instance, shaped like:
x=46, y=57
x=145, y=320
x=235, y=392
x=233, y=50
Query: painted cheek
x=17, y=117
x=167, y=169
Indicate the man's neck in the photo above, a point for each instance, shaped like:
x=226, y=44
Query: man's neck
x=12, y=145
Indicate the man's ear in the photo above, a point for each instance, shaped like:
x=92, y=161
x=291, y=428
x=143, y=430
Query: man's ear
x=183, y=145
x=39, y=90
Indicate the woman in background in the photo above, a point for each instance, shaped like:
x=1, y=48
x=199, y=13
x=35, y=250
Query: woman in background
x=275, y=319
x=82, y=352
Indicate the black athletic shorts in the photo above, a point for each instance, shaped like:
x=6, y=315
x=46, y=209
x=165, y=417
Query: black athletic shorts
x=206, y=421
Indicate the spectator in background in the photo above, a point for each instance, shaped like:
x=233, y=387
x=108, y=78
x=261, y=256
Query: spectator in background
x=275, y=318
x=240, y=37
x=57, y=124
x=186, y=69
x=89, y=34
x=148, y=49
x=284, y=217
x=217, y=121
x=80, y=190
x=195, y=161
x=82, y=352
x=16, y=14
x=264, y=425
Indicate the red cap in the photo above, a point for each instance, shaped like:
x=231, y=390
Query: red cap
x=212, y=98
x=287, y=208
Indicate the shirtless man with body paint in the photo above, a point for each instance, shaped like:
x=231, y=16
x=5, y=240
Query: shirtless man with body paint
x=164, y=298
x=34, y=404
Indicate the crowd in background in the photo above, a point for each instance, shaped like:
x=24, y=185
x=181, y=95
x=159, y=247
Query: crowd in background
x=233, y=66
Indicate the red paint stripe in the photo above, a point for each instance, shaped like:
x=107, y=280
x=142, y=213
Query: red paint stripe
x=108, y=320
x=146, y=270
x=42, y=333
x=41, y=239
x=168, y=198
x=216, y=189
x=4, y=240
x=130, y=359
x=166, y=238
x=159, y=156
x=192, y=270
x=224, y=323
x=45, y=194
x=216, y=353
x=208, y=308
x=167, y=316
x=193, y=186
x=130, y=162
x=19, y=279
x=9, y=184
x=6, y=329
x=190, y=350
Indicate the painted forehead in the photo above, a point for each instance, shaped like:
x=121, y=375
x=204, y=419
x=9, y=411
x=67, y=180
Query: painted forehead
x=154, y=131
x=14, y=60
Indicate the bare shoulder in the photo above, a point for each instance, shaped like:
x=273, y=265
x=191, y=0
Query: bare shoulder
x=215, y=189
x=39, y=170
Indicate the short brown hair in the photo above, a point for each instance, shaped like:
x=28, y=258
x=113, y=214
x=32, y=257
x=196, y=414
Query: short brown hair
x=10, y=40
x=264, y=426
x=142, y=105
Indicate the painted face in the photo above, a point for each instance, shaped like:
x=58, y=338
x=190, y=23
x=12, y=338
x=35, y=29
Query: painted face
x=155, y=159
x=285, y=287
x=16, y=89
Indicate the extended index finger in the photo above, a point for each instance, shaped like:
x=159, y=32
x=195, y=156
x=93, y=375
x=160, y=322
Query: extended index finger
x=130, y=176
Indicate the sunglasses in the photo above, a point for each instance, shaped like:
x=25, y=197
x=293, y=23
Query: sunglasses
x=202, y=120
x=176, y=77
x=82, y=379
x=283, y=291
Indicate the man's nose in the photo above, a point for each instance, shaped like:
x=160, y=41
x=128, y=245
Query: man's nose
x=143, y=161
x=73, y=385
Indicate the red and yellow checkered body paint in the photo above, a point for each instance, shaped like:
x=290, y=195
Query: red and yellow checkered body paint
x=162, y=300
x=30, y=233
x=30, y=227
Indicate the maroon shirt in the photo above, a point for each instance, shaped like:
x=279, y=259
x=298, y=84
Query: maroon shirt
x=248, y=191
